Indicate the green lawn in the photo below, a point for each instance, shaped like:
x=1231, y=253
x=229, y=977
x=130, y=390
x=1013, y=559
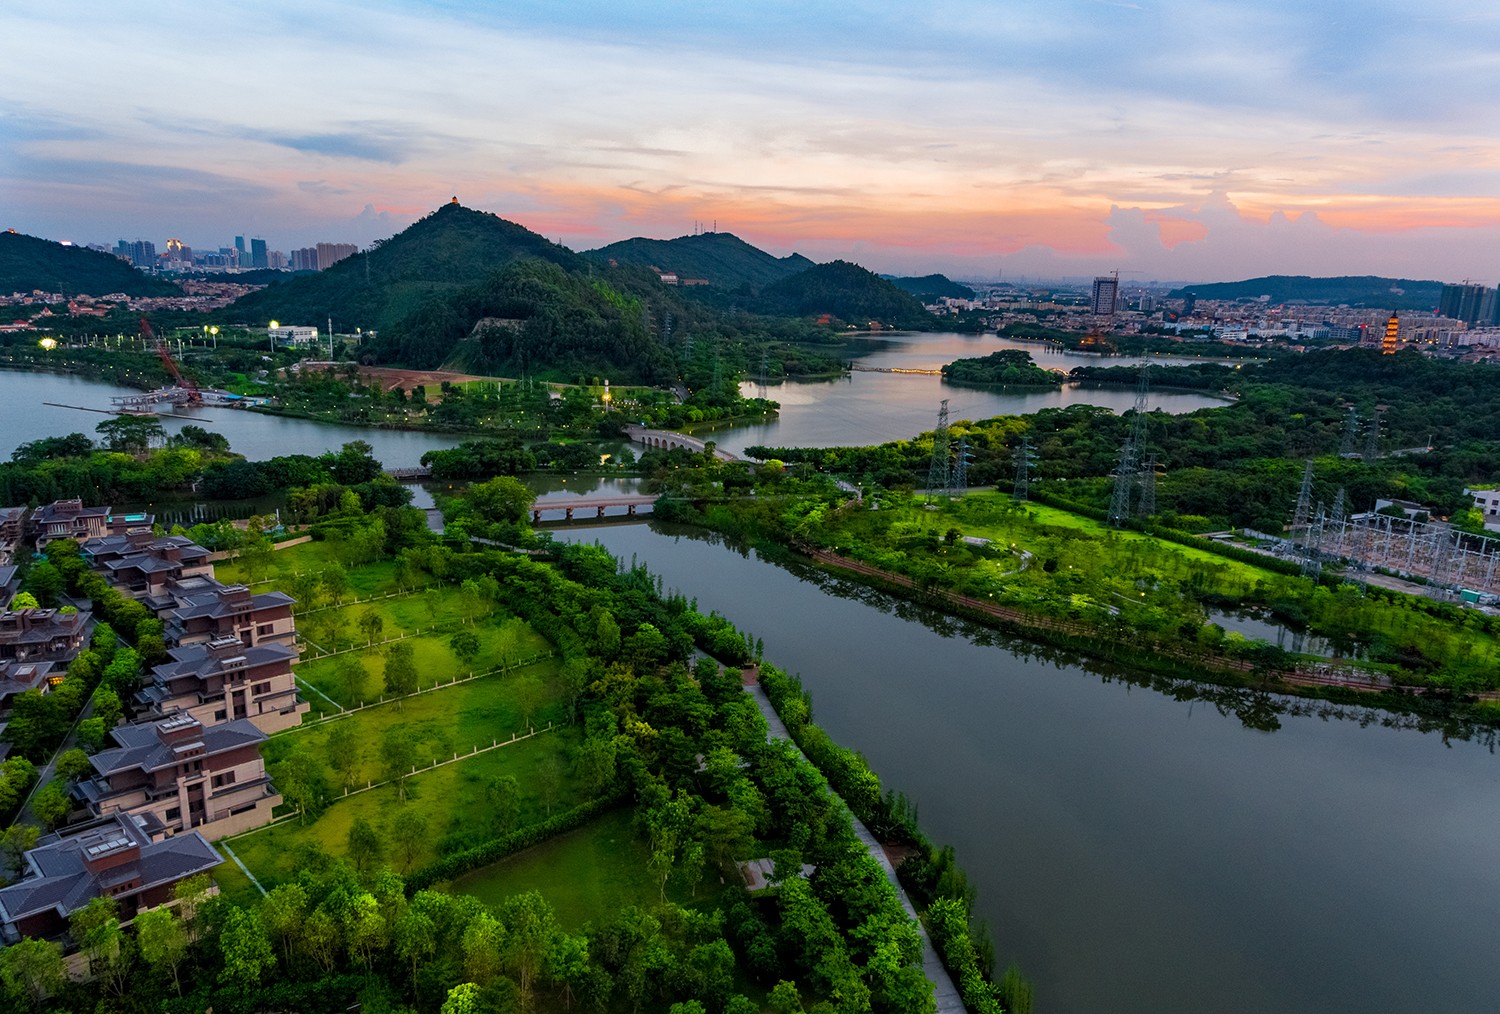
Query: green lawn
x=233, y=884
x=364, y=580
x=455, y=718
x=586, y=875
x=451, y=800
x=500, y=643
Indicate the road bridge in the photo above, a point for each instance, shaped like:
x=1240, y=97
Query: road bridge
x=597, y=503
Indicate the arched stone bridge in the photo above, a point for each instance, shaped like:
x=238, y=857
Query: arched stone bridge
x=666, y=440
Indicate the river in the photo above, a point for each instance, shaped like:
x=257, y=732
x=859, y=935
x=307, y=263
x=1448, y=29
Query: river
x=873, y=408
x=1135, y=852
x=862, y=408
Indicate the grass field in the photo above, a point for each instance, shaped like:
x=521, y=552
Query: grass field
x=586, y=875
x=455, y=718
x=365, y=580
x=502, y=640
x=449, y=799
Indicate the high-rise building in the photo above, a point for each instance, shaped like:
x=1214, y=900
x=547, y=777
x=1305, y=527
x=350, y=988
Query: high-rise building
x=305, y=259
x=1466, y=302
x=1189, y=304
x=239, y=246
x=330, y=254
x=141, y=253
x=1147, y=303
x=258, y=257
x=1106, y=295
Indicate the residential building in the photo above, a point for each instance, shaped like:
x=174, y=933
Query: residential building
x=12, y=529
x=206, y=610
x=53, y=635
x=1106, y=296
x=223, y=680
x=330, y=254
x=9, y=584
x=127, y=858
x=1487, y=502
x=18, y=677
x=305, y=259
x=70, y=519
x=142, y=565
x=187, y=775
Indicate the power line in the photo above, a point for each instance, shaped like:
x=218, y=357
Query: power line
x=938, y=473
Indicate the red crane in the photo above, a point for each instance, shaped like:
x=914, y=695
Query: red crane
x=194, y=396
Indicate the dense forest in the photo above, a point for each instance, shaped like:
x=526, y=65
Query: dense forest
x=449, y=249
x=28, y=263
x=723, y=259
x=847, y=292
x=1007, y=366
x=930, y=287
x=1355, y=290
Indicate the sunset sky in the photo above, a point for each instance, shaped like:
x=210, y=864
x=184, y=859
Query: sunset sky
x=1180, y=139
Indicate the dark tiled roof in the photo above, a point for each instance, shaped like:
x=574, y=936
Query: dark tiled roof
x=141, y=747
x=19, y=677
x=198, y=660
x=57, y=876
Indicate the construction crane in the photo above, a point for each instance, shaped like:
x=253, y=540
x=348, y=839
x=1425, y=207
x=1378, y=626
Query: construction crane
x=190, y=389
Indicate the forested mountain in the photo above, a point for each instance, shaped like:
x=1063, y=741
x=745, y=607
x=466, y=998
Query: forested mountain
x=931, y=287
x=1355, y=290
x=847, y=292
x=28, y=263
x=530, y=314
x=724, y=259
x=449, y=249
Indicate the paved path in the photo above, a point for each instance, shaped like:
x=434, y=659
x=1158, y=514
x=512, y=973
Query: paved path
x=944, y=990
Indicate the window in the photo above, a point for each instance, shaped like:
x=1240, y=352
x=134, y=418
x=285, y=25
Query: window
x=261, y=688
x=227, y=778
x=175, y=813
x=265, y=630
x=220, y=715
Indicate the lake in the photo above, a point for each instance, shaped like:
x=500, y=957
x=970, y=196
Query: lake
x=873, y=408
x=1135, y=852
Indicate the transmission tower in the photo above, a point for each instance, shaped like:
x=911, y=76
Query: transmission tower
x=938, y=473
x=1372, y=437
x=1351, y=433
x=1127, y=472
x=1303, y=513
x=1024, y=460
x=1340, y=509
x=1312, y=558
x=1147, y=506
x=961, y=466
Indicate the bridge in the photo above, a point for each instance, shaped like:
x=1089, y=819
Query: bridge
x=409, y=474
x=666, y=440
x=598, y=504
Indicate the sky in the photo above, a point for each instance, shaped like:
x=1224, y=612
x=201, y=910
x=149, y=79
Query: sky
x=1190, y=140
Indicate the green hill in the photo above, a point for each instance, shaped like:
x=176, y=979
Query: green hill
x=727, y=261
x=847, y=292
x=28, y=263
x=450, y=249
x=531, y=315
x=931, y=286
x=1354, y=290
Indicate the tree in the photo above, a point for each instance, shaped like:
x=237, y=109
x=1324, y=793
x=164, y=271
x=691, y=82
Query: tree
x=163, y=942
x=549, y=781
x=73, y=765
x=502, y=500
x=482, y=942
x=335, y=581
x=244, y=950
x=33, y=970
x=400, y=670
x=16, y=841
x=529, y=694
x=132, y=434
x=342, y=749
x=408, y=833
x=462, y=999
x=349, y=675
x=24, y=600
x=45, y=582
x=503, y=796
x=398, y=749
x=371, y=623
x=95, y=928
x=52, y=804
x=107, y=707
x=530, y=925
x=365, y=845
x=465, y=645
x=726, y=833
x=283, y=913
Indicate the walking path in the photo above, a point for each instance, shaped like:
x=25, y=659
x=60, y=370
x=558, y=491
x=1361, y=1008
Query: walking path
x=944, y=990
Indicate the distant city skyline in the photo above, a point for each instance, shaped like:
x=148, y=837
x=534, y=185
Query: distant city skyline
x=1182, y=139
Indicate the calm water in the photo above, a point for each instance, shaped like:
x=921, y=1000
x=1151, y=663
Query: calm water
x=872, y=408
x=1134, y=852
x=24, y=416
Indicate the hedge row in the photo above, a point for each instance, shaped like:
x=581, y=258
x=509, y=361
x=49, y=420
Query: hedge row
x=495, y=849
x=948, y=922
